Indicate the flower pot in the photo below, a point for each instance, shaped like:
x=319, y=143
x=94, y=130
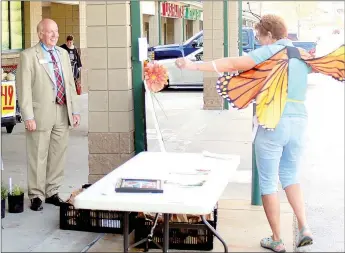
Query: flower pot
x=3, y=208
x=16, y=203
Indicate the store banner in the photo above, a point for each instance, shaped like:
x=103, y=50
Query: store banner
x=172, y=10
x=192, y=14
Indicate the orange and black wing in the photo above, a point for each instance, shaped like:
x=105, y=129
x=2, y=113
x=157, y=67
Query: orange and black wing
x=332, y=64
x=242, y=89
x=271, y=100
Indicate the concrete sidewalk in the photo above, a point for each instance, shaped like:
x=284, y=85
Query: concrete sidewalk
x=185, y=128
x=39, y=231
x=241, y=225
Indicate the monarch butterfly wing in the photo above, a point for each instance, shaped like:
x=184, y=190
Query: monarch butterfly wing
x=271, y=100
x=332, y=64
x=240, y=90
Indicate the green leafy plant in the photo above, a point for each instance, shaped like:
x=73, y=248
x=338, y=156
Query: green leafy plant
x=3, y=193
x=16, y=191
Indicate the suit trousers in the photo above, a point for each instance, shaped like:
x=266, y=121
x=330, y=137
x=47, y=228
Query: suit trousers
x=46, y=153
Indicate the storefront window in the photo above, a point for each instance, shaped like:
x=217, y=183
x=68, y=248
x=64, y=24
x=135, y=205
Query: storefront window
x=12, y=25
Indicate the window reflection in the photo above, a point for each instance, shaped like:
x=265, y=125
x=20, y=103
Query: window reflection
x=12, y=25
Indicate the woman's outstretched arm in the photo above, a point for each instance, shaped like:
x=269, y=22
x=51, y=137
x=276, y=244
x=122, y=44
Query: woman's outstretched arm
x=229, y=64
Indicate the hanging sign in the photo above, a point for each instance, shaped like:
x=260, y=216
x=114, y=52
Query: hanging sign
x=172, y=10
x=192, y=14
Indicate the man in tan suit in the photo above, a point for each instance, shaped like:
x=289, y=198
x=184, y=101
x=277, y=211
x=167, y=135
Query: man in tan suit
x=48, y=102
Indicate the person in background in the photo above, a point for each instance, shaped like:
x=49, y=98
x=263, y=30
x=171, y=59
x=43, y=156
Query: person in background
x=277, y=152
x=73, y=55
x=49, y=106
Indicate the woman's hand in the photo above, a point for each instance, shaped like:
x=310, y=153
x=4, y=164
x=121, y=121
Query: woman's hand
x=184, y=63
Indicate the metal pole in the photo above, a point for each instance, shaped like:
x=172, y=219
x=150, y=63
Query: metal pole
x=183, y=30
x=125, y=232
x=240, y=24
x=226, y=39
x=255, y=196
x=166, y=217
x=139, y=106
x=159, y=23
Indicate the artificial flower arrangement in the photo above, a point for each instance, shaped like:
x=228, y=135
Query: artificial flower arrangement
x=156, y=76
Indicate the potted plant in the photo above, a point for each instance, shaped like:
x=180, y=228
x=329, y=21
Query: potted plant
x=3, y=201
x=16, y=200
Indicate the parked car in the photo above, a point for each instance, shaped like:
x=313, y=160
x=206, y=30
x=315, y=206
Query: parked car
x=307, y=45
x=293, y=36
x=183, y=77
x=172, y=51
x=162, y=52
x=249, y=43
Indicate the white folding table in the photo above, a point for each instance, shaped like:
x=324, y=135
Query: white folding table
x=176, y=198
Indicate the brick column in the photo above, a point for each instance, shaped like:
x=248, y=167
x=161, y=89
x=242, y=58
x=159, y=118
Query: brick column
x=67, y=18
x=82, y=24
x=153, y=27
x=111, y=123
x=233, y=29
x=213, y=45
x=32, y=16
x=213, y=49
x=83, y=45
x=71, y=19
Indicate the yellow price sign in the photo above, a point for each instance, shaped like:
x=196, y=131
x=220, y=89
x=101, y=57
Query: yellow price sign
x=8, y=99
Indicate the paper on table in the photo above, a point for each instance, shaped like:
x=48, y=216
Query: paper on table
x=187, y=179
x=217, y=156
x=143, y=48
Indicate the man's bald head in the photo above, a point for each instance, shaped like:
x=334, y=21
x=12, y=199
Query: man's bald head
x=48, y=32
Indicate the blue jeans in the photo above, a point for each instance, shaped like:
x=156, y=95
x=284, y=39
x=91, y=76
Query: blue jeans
x=278, y=153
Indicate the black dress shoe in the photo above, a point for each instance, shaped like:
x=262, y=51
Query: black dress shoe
x=36, y=204
x=54, y=200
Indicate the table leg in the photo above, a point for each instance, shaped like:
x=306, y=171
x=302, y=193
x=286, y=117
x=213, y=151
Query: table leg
x=214, y=232
x=166, y=233
x=125, y=232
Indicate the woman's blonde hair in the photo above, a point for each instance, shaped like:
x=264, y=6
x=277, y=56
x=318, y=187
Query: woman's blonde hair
x=273, y=24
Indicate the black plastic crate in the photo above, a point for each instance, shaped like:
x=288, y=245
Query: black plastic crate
x=93, y=220
x=182, y=235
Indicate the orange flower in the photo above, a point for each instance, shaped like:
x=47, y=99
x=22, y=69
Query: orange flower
x=156, y=76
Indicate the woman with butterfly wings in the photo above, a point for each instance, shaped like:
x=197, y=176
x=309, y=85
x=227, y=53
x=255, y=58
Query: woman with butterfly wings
x=274, y=76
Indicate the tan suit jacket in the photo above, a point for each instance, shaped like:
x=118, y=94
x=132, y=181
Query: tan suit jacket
x=35, y=87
